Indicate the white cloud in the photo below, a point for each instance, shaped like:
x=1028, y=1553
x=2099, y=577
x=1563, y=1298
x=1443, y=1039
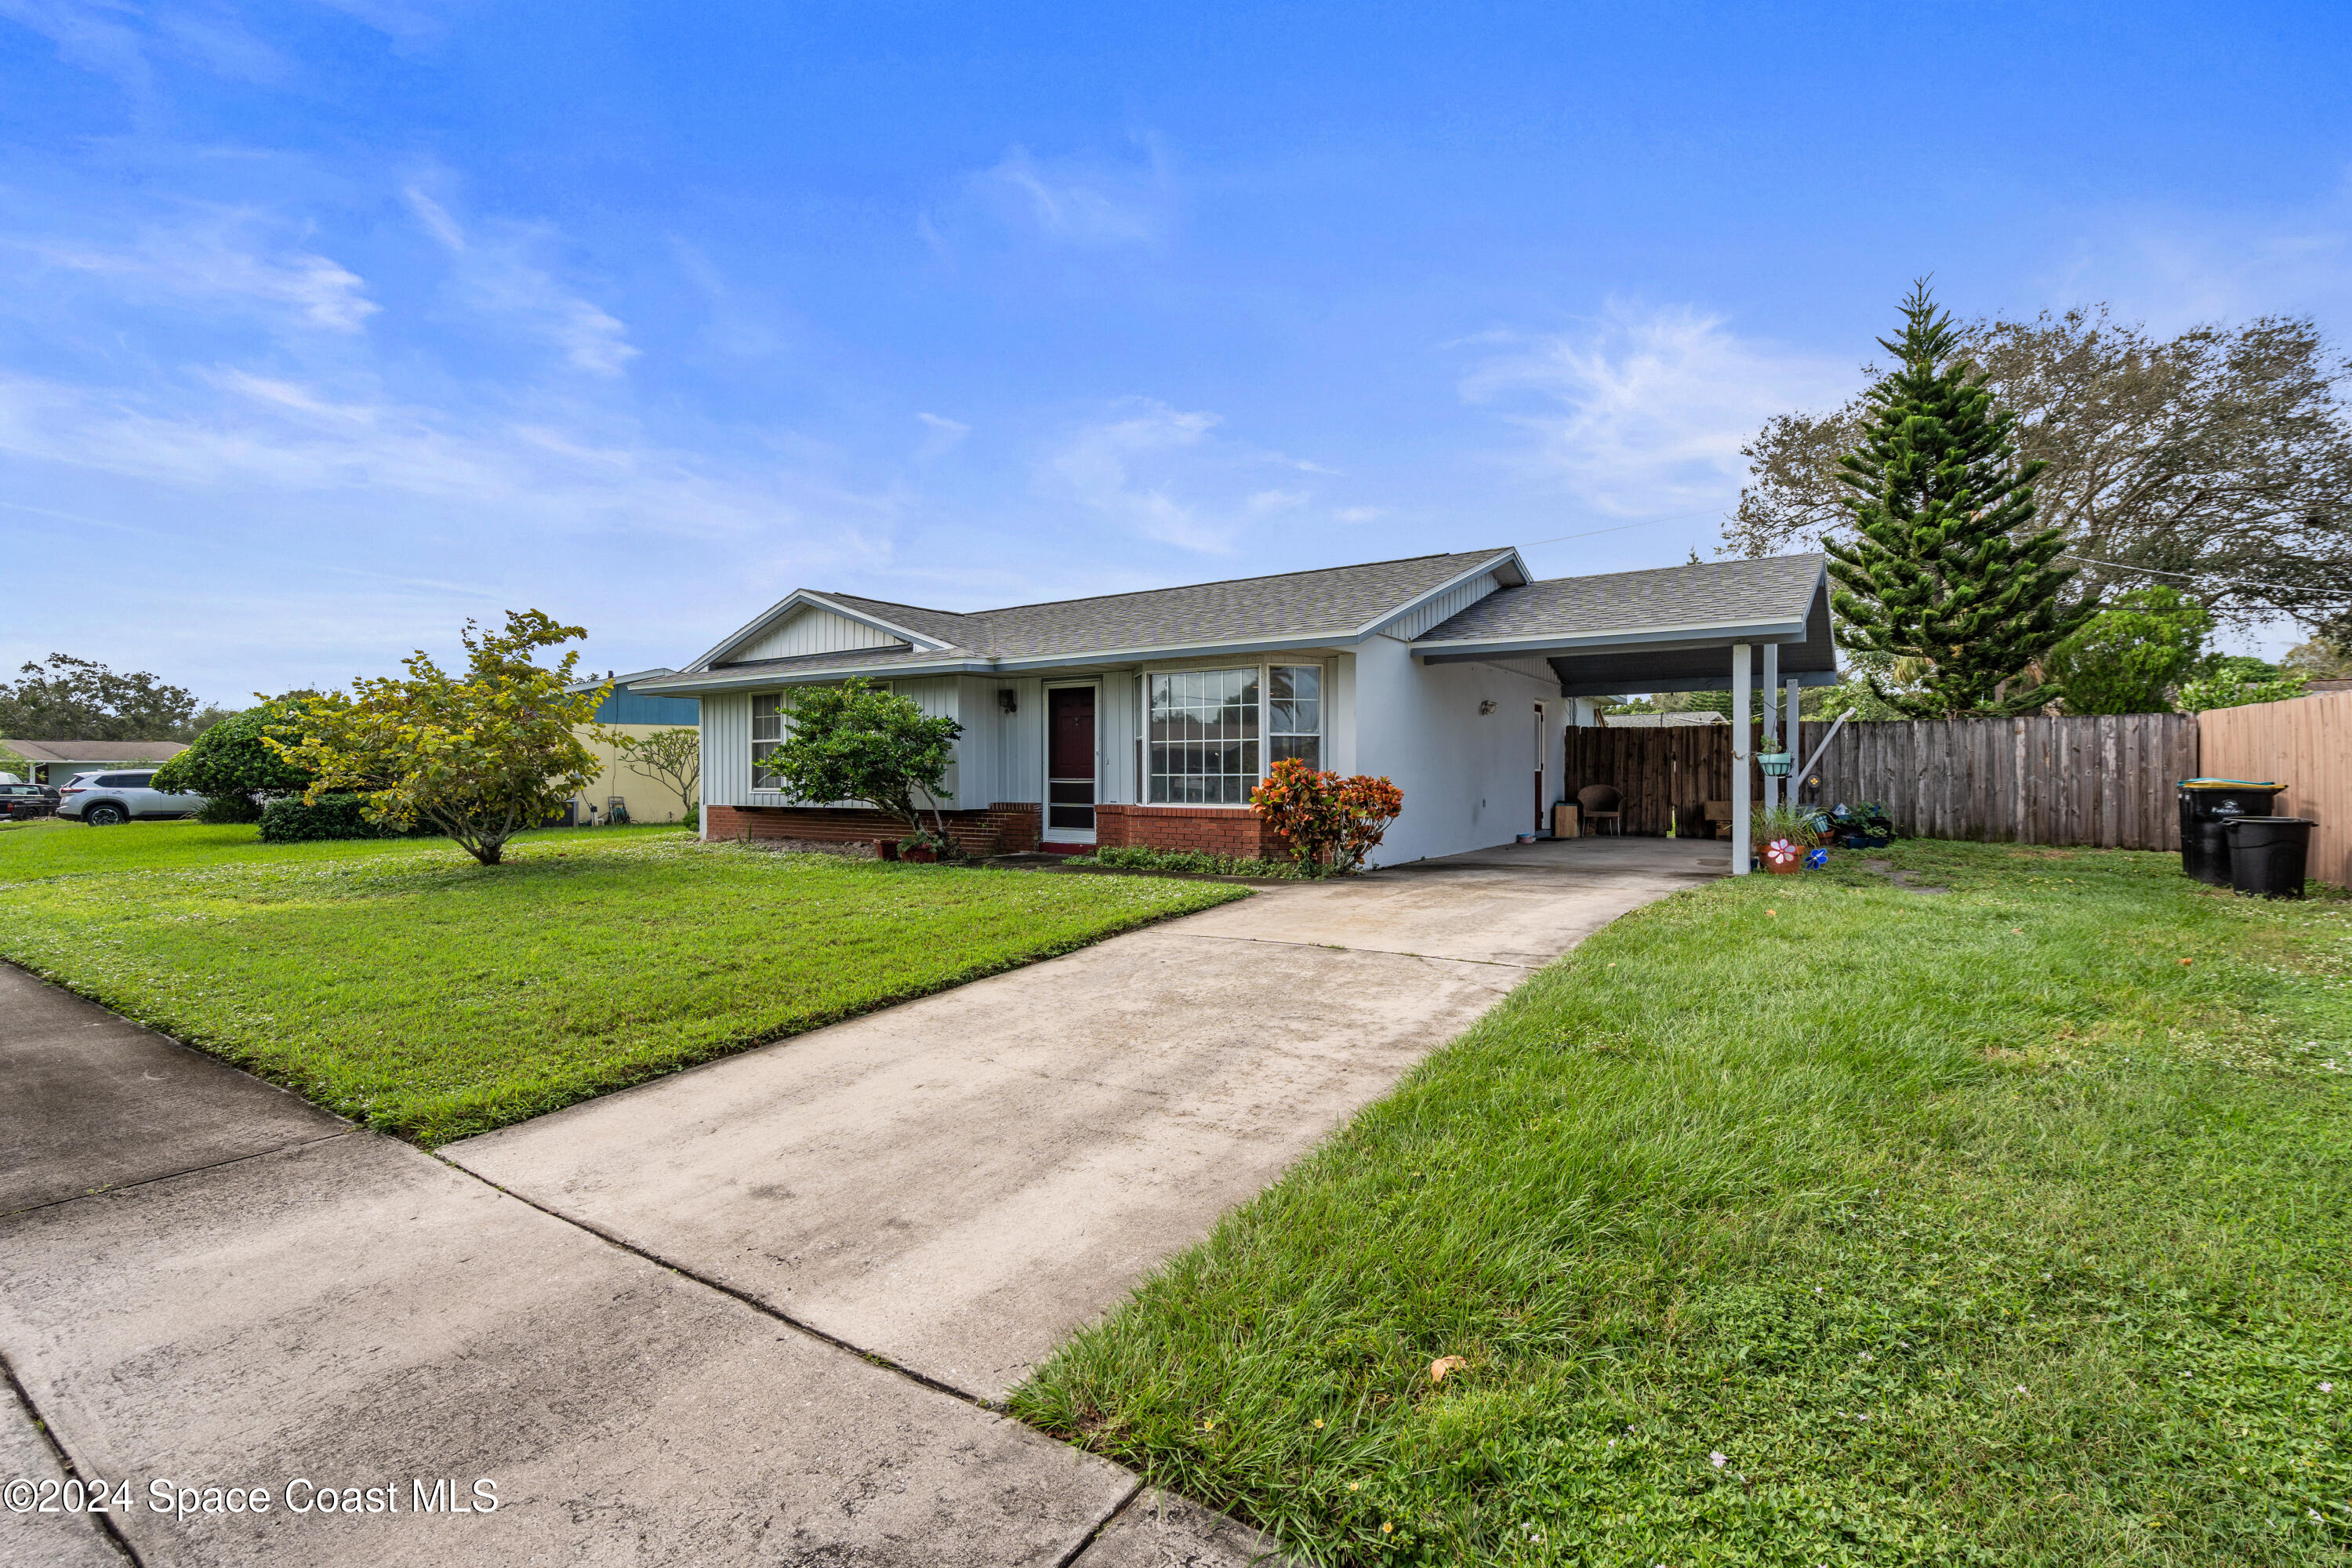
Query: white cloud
x=218, y=256
x=497, y=275
x=1078, y=201
x=1645, y=410
x=2175, y=269
x=231, y=436
x=1161, y=473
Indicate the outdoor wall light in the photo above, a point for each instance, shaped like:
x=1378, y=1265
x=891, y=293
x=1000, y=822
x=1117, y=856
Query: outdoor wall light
x=1004, y=700
x=1487, y=706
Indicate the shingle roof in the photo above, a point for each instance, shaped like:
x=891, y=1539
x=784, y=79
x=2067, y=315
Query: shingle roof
x=1330, y=602
x=1708, y=594
x=96, y=750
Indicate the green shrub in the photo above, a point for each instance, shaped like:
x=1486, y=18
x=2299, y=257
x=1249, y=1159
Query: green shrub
x=234, y=808
x=296, y=821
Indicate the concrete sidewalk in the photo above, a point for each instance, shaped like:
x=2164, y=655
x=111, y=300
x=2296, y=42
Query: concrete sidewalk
x=660, y=1343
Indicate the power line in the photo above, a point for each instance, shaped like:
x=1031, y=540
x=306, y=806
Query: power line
x=2193, y=577
x=1619, y=528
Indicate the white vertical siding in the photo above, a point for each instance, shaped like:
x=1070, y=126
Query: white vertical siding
x=812, y=630
x=1452, y=602
x=936, y=695
x=1340, y=715
x=1118, y=723
x=1468, y=777
x=727, y=749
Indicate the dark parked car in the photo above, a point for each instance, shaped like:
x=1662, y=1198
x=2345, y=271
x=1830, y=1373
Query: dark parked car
x=19, y=801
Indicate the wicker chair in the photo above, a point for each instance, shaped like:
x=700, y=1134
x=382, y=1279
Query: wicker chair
x=1596, y=803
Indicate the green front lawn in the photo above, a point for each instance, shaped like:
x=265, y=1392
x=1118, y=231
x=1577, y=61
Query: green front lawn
x=399, y=984
x=1802, y=1221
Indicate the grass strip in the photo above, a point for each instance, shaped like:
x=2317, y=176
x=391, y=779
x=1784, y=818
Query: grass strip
x=1800, y=1221
x=419, y=993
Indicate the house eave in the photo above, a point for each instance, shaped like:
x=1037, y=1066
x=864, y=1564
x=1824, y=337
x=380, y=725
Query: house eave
x=1634, y=639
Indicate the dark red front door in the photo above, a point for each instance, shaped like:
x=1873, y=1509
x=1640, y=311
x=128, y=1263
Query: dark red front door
x=1070, y=763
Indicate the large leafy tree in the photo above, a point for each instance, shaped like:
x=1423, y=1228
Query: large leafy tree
x=2133, y=655
x=70, y=699
x=853, y=743
x=479, y=756
x=232, y=761
x=1943, y=566
x=2219, y=460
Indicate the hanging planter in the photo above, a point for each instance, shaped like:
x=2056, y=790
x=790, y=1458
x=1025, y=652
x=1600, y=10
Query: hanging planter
x=1776, y=764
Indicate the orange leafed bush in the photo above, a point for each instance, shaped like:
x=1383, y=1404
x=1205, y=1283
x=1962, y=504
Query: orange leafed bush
x=1322, y=819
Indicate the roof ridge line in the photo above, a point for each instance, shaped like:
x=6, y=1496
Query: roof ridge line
x=1212, y=582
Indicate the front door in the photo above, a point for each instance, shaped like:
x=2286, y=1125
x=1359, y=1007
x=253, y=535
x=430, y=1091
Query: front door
x=1070, y=764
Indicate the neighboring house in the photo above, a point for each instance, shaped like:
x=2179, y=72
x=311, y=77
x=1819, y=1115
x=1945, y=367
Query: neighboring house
x=1661, y=721
x=646, y=797
x=54, y=761
x=1146, y=718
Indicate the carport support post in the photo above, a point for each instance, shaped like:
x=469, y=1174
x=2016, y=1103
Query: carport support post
x=1741, y=743
x=1771, y=715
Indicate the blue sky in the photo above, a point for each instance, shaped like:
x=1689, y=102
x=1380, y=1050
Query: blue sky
x=323, y=327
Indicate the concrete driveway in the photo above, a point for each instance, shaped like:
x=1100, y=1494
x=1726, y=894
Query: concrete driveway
x=753, y=1312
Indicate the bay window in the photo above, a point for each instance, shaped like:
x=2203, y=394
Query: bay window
x=1210, y=734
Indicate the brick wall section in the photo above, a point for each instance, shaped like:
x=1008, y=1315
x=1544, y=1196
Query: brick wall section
x=1016, y=823
x=1004, y=829
x=1219, y=830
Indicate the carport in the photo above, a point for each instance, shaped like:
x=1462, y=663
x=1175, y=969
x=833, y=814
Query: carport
x=1679, y=629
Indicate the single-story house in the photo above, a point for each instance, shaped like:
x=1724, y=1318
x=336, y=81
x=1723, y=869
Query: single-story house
x=643, y=796
x=54, y=761
x=1146, y=718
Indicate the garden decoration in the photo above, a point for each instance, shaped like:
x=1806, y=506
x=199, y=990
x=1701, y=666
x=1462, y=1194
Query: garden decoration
x=1817, y=860
x=1783, y=856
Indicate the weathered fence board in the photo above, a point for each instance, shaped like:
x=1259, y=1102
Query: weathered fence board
x=2105, y=780
x=2306, y=745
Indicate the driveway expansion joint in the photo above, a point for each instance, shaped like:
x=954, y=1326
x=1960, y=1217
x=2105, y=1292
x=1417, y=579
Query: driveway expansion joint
x=873, y=1358
x=41, y=1424
x=111, y=1190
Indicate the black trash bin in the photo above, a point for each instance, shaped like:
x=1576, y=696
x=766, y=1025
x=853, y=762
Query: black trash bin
x=2207, y=808
x=2267, y=855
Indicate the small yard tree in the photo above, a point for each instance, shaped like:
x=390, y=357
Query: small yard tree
x=478, y=757
x=1943, y=566
x=2129, y=656
x=853, y=743
x=673, y=757
x=232, y=761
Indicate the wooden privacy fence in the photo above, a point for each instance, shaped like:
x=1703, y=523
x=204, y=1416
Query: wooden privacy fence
x=2306, y=745
x=2107, y=781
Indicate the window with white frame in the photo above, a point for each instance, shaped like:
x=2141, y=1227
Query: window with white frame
x=767, y=735
x=1293, y=713
x=1210, y=734
x=1200, y=737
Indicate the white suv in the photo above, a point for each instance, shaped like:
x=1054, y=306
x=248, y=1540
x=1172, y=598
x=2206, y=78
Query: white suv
x=108, y=800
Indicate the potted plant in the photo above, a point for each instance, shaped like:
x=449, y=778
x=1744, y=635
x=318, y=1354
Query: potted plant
x=925, y=848
x=886, y=850
x=1784, y=834
x=1773, y=757
x=1864, y=826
